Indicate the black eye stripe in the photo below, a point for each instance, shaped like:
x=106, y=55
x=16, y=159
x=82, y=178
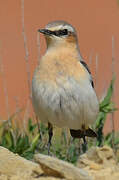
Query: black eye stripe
x=63, y=32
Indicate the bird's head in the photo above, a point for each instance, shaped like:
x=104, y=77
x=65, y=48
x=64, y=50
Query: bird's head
x=59, y=33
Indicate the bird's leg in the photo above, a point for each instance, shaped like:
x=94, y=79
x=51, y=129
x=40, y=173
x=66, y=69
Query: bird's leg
x=84, y=145
x=50, y=132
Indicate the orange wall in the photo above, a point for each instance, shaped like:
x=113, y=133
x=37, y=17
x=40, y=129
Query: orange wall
x=96, y=22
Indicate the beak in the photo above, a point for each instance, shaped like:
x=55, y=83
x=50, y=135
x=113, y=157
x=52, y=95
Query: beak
x=45, y=31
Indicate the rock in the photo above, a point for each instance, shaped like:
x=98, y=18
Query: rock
x=14, y=167
x=96, y=164
x=3, y=177
x=100, y=163
x=58, y=168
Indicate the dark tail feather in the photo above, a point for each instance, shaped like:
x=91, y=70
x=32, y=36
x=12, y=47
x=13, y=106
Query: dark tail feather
x=82, y=133
x=90, y=133
x=76, y=133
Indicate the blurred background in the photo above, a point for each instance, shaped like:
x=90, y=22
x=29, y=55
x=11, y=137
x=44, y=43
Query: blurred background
x=97, y=25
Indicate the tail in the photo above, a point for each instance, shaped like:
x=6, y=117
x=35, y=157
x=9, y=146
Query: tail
x=82, y=133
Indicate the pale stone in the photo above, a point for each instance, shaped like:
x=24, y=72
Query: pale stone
x=31, y=178
x=14, y=167
x=11, y=164
x=3, y=177
x=59, y=168
x=100, y=163
x=96, y=164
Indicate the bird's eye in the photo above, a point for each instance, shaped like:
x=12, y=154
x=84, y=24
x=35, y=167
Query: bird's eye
x=63, y=32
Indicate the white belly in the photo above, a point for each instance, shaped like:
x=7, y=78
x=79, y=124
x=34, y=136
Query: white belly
x=69, y=105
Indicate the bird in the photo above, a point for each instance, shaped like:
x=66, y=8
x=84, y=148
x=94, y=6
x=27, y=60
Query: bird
x=63, y=92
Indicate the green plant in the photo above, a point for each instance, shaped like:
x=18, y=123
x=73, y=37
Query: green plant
x=106, y=107
x=17, y=141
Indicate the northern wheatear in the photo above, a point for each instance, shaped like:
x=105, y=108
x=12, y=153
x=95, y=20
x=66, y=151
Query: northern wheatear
x=62, y=86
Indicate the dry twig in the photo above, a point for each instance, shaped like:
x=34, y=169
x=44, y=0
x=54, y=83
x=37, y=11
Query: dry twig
x=112, y=114
x=96, y=70
x=4, y=84
x=27, y=110
x=26, y=49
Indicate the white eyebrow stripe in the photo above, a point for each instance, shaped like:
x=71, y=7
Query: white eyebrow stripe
x=69, y=28
x=61, y=27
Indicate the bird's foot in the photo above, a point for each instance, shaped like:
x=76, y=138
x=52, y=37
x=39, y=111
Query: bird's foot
x=49, y=145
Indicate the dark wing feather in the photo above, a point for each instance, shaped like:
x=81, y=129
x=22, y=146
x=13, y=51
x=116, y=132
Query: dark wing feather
x=86, y=66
